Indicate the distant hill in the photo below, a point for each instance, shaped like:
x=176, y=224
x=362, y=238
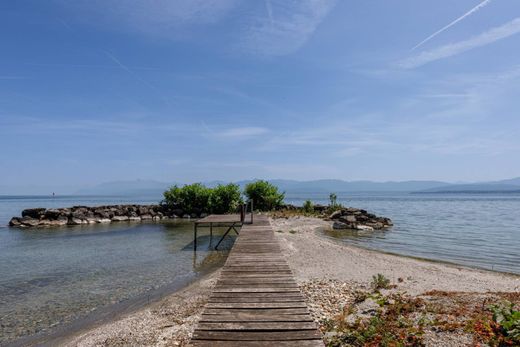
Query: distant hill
x=331, y=185
x=474, y=188
x=156, y=188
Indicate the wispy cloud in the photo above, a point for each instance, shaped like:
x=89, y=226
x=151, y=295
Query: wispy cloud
x=467, y=14
x=488, y=37
x=287, y=27
x=243, y=132
x=158, y=16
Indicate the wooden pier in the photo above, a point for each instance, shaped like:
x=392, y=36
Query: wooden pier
x=256, y=301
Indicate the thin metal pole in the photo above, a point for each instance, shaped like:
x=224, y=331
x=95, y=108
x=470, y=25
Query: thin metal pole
x=252, y=210
x=195, y=236
x=210, y=232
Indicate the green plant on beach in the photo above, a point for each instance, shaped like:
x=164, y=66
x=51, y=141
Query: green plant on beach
x=507, y=321
x=379, y=281
x=334, y=205
x=265, y=196
x=308, y=206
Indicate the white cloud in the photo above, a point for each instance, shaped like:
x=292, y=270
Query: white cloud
x=156, y=17
x=467, y=14
x=286, y=28
x=490, y=36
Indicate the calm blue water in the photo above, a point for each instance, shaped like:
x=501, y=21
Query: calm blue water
x=49, y=277
x=481, y=230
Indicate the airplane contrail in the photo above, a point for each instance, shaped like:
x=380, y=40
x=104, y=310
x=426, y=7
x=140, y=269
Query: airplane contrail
x=469, y=13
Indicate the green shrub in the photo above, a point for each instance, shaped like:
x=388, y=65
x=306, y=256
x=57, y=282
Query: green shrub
x=508, y=321
x=265, y=196
x=225, y=198
x=379, y=281
x=308, y=206
x=192, y=198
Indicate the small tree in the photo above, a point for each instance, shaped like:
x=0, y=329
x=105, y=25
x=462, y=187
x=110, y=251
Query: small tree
x=265, y=196
x=225, y=198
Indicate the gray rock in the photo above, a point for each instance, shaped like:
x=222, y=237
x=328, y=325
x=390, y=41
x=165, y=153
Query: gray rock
x=29, y=221
x=146, y=217
x=119, y=218
x=15, y=222
x=134, y=219
x=77, y=221
x=335, y=214
x=33, y=212
x=186, y=216
x=52, y=213
x=339, y=225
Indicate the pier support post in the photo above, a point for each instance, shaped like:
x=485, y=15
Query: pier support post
x=195, y=236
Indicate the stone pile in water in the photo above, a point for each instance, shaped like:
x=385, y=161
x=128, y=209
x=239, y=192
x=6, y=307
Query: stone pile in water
x=354, y=218
x=78, y=215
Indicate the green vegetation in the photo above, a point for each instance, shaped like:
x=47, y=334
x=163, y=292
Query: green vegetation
x=506, y=327
x=390, y=326
x=265, y=196
x=197, y=198
x=225, y=198
x=308, y=206
x=333, y=203
x=192, y=198
x=379, y=281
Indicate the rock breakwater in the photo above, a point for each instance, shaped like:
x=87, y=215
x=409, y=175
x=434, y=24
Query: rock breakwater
x=78, y=215
x=354, y=218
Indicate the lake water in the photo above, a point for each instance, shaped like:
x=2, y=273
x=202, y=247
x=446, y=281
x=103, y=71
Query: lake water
x=479, y=230
x=49, y=277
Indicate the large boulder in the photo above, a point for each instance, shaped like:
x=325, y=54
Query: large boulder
x=33, y=212
x=52, y=213
x=339, y=225
x=29, y=221
x=15, y=222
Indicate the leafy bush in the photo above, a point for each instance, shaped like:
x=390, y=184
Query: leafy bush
x=192, y=198
x=225, y=198
x=379, y=281
x=308, y=206
x=507, y=321
x=265, y=196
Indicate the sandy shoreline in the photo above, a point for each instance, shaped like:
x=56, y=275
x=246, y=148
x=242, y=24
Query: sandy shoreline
x=313, y=259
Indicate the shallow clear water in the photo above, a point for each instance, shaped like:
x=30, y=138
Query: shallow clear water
x=52, y=276
x=481, y=230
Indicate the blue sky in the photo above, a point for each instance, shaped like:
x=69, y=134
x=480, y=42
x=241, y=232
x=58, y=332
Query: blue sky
x=94, y=91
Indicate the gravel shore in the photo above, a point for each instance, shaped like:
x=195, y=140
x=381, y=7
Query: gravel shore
x=331, y=276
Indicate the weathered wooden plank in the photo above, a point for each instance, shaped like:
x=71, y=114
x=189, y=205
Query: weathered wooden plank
x=237, y=326
x=271, y=343
x=250, y=299
x=311, y=334
x=255, y=317
x=290, y=304
x=278, y=311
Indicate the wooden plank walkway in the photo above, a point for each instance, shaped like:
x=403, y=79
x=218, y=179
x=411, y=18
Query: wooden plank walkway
x=256, y=301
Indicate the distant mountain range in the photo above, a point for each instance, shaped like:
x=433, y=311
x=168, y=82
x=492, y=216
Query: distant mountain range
x=156, y=188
